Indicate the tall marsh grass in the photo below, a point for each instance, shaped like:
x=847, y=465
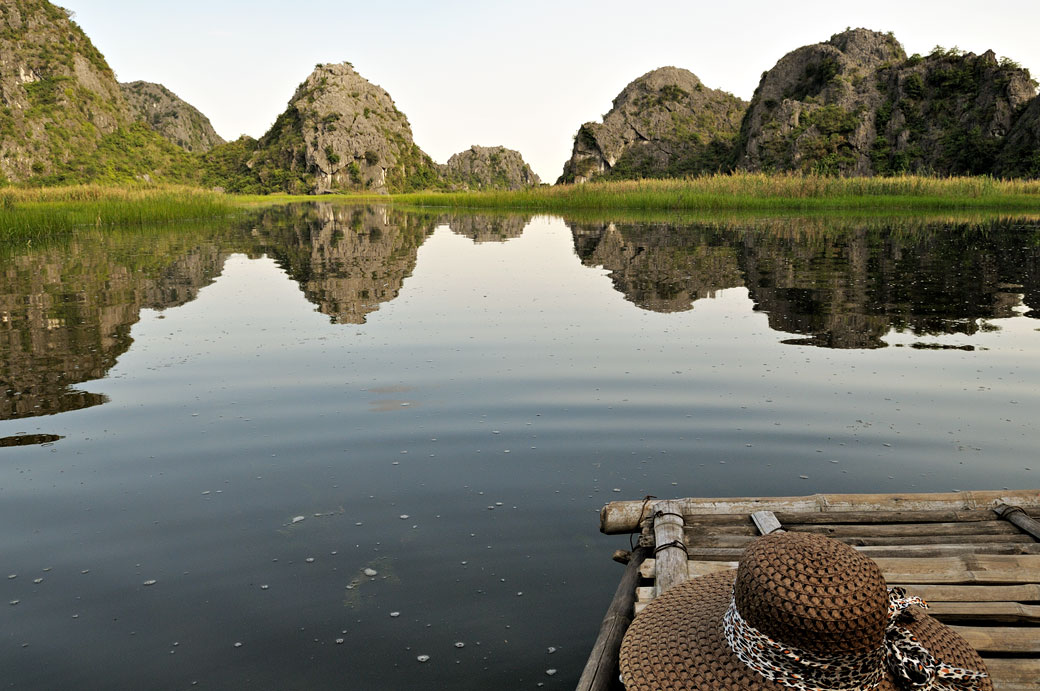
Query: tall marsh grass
x=753, y=191
x=28, y=213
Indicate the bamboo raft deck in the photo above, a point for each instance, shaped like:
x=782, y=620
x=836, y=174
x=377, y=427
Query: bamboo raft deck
x=974, y=556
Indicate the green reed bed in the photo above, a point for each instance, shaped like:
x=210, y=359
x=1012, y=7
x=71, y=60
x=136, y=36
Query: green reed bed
x=28, y=213
x=762, y=192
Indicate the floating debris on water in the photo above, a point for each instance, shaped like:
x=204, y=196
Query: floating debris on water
x=404, y=516
x=339, y=641
x=14, y=602
x=238, y=644
x=423, y=658
x=395, y=614
x=370, y=572
x=309, y=560
x=37, y=581
x=804, y=477
x=550, y=650
x=264, y=587
x=460, y=644
x=297, y=519
x=150, y=581
x=550, y=672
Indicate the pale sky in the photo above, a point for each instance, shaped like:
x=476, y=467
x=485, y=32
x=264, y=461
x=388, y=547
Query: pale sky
x=524, y=75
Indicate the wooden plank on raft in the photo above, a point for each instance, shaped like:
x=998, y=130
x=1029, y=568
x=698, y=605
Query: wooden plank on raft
x=623, y=517
x=983, y=568
x=766, y=522
x=902, y=529
x=601, y=669
x=966, y=569
x=1001, y=639
x=1013, y=674
x=741, y=541
x=874, y=551
x=670, y=548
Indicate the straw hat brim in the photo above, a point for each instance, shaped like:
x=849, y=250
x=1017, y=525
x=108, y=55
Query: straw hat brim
x=677, y=642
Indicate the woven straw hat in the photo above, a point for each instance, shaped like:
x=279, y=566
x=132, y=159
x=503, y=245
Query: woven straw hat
x=804, y=591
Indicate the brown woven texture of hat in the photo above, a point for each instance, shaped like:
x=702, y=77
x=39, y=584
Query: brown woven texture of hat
x=812, y=592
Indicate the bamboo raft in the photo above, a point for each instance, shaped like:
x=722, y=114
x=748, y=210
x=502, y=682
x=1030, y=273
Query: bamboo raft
x=974, y=556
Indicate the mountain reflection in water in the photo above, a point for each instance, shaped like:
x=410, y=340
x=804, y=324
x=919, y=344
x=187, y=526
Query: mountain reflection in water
x=840, y=287
x=66, y=310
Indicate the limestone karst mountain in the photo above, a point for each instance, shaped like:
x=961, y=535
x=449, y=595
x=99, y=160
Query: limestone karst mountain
x=339, y=133
x=857, y=105
x=664, y=124
x=1020, y=156
x=489, y=168
x=58, y=96
x=169, y=115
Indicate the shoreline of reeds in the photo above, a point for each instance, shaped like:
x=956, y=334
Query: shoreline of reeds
x=28, y=212
x=756, y=192
x=31, y=212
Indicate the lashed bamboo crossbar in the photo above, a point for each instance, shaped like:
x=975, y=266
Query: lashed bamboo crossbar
x=624, y=516
x=975, y=556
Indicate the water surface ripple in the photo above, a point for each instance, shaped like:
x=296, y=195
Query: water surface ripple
x=302, y=450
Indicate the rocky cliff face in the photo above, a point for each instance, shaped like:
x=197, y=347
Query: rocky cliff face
x=815, y=109
x=489, y=168
x=1020, y=156
x=948, y=113
x=856, y=105
x=664, y=124
x=58, y=96
x=170, y=116
x=339, y=133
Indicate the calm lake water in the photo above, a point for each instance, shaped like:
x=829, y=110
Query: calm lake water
x=209, y=434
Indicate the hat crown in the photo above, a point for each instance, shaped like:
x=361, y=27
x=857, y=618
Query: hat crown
x=812, y=593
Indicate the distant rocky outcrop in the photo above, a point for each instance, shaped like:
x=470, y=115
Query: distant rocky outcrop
x=58, y=96
x=857, y=105
x=340, y=133
x=170, y=116
x=664, y=124
x=1020, y=156
x=489, y=168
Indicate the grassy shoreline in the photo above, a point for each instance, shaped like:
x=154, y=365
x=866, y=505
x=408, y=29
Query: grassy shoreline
x=757, y=192
x=28, y=212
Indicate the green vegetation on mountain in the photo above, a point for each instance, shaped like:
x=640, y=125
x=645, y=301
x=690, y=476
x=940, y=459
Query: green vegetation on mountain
x=857, y=105
x=664, y=124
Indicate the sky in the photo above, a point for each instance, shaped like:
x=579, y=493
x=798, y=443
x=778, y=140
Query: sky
x=524, y=75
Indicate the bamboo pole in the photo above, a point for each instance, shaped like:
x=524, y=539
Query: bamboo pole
x=601, y=670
